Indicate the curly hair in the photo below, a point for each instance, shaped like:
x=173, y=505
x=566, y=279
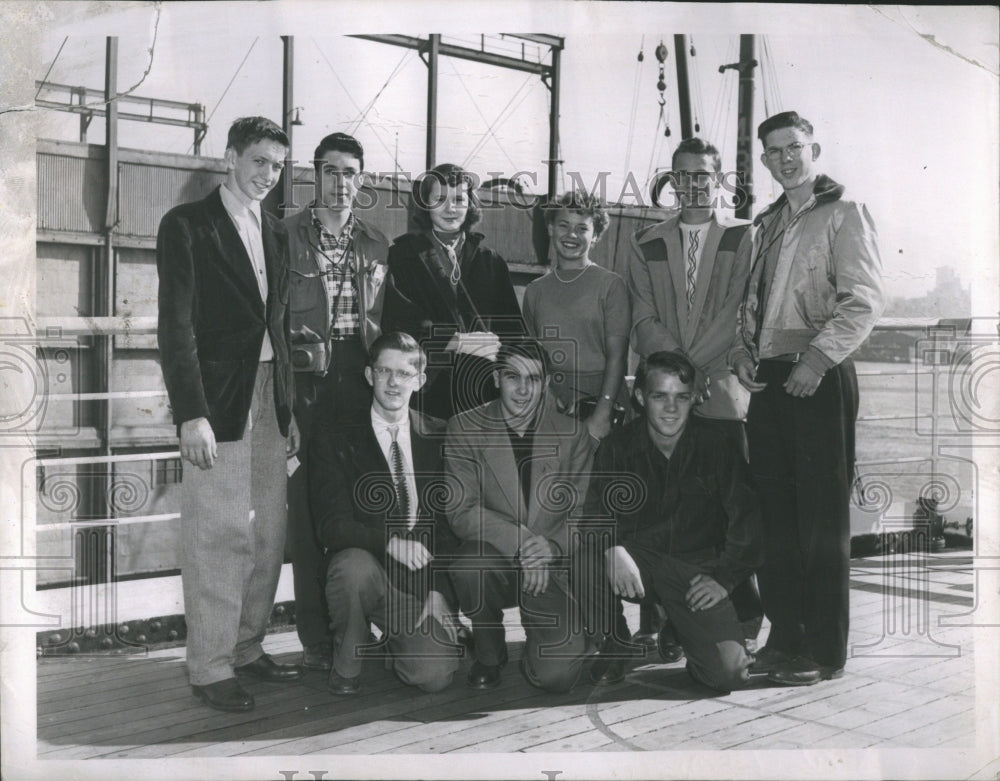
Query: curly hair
x=582, y=202
x=446, y=174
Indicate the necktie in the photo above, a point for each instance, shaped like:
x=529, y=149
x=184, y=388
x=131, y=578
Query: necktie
x=694, y=237
x=398, y=477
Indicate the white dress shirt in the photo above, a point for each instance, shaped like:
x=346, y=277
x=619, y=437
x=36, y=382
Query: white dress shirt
x=248, y=225
x=383, y=433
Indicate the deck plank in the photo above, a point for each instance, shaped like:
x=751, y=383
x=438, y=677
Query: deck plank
x=904, y=690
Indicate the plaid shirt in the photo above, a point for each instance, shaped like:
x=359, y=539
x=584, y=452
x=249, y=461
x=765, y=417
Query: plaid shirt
x=341, y=289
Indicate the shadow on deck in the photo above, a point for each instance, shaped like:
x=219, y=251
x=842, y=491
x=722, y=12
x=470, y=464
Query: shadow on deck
x=910, y=682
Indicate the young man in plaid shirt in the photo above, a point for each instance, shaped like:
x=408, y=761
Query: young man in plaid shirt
x=337, y=264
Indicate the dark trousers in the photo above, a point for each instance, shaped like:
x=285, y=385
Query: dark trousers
x=359, y=594
x=802, y=460
x=342, y=392
x=712, y=639
x=555, y=645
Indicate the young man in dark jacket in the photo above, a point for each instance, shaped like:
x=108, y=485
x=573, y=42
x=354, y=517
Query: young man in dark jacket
x=672, y=516
x=372, y=481
x=223, y=339
x=337, y=265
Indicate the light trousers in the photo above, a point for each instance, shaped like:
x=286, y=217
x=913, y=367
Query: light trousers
x=233, y=534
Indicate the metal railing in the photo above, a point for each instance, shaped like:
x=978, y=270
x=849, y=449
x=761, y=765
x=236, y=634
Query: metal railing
x=59, y=328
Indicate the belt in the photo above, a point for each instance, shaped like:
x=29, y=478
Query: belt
x=783, y=358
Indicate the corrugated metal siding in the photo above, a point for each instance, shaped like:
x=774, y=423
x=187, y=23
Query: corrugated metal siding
x=508, y=231
x=71, y=193
x=147, y=192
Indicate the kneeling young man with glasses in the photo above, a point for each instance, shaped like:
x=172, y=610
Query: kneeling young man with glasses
x=370, y=483
x=673, y=517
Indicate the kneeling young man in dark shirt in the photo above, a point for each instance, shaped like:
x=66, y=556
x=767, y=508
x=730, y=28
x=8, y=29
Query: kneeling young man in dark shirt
x=685, y=524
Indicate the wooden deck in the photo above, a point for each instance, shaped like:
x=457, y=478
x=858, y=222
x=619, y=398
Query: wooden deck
x=909, y=683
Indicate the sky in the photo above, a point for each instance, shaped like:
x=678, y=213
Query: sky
x=908, y=123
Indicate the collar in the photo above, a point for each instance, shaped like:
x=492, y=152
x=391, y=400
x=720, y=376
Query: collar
x=825, y=190
x=236, y=205
x=380, y=424
x=347, y=230
x=701, y=227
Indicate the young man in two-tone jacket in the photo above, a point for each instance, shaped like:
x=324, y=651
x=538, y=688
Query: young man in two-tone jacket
x=815, y=292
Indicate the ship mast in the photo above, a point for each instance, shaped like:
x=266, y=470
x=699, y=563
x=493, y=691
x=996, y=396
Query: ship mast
x=744, y=125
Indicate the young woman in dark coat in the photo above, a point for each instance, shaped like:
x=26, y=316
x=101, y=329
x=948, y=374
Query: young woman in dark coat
x=451, y=293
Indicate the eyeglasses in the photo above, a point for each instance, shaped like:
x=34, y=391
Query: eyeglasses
x=399, y=375
x=779, y=152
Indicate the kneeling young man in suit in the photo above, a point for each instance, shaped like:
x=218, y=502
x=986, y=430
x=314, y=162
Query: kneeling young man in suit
x=370, y=481
x=519, y=465
x=686, y=530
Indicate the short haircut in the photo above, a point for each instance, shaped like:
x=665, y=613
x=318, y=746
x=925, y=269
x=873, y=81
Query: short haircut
x=669, y=362
x=783, y=120
x=444, y=174
x=582, y=202
x=697, y=146
x=523, y=347
x=397, y=340
x=247, y=131
x=339, y=142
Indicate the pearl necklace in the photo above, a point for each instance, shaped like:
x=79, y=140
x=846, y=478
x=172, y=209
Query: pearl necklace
x=555, y=270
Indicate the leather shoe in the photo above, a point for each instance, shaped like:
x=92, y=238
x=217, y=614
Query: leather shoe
x=666, y=643
x=265, y=668
x=607, y=672
x=803, y=671
x=768, y=659
x=225, y=695
x=486, y=676
x=338, y=684
x=317, y=657
x=609, y=666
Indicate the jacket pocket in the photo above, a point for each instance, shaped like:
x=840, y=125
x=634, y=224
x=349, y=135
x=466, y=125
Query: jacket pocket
x=305, y=291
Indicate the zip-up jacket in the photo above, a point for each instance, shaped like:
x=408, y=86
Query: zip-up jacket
x=826, y=292
x=309, y=302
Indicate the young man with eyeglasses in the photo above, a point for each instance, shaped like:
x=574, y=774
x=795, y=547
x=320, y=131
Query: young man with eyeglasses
x=372, y=482
x=815, y=292
x=337, y=269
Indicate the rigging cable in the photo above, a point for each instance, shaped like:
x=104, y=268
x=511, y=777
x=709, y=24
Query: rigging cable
x=479, y=111
x=230, y=84
x=699, y=106
x=775, y=86
x=45, y=78
x=500, y=119
x=652, y=152
x=720, y=95
x=226, y=90
x=764, y=77
x=354, y=103
x=354, y=125
x=636, y=82
x=732, y=82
